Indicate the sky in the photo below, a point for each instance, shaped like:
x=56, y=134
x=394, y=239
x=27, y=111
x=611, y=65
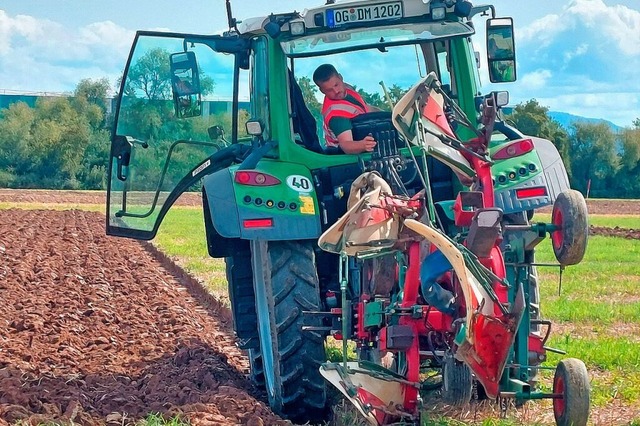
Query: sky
x=575, y=56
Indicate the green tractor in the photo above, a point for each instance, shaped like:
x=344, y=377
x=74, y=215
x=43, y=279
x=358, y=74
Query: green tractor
x=420, y=252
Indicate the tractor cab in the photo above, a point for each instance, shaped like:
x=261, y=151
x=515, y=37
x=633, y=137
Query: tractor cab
x=177, y=88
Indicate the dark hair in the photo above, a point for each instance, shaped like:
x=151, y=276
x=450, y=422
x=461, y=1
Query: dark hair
x=323, y=73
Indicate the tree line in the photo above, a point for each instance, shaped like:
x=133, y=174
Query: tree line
x=64, y=143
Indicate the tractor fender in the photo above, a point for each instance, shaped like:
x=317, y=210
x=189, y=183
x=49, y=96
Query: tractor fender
x=529, y=181
x=277, y=212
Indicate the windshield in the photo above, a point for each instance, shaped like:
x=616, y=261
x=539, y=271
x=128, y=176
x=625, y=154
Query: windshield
x=363, y=38
x=381, y=76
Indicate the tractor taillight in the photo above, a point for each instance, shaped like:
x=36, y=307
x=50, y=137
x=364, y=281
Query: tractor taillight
x=257, y=223
x=538, y=191
x=253, y=178
x=514, y=149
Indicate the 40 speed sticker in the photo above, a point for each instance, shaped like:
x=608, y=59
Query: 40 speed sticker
x=299, y=183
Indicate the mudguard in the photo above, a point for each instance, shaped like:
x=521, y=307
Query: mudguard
x=284, y=207
x=529, y=181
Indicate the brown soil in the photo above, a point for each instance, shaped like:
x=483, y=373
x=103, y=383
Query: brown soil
x=628, y=233
x=94, y=330
x=47, y=196
x=99, y=330
x=609, y=207
x=595, y=206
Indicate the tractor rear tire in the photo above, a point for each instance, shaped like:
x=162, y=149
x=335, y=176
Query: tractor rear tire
x=286, y=284
x=457, y=382
x=571, y=380
x=570, y=215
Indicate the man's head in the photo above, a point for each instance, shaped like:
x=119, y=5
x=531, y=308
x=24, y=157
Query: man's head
x=330, y=82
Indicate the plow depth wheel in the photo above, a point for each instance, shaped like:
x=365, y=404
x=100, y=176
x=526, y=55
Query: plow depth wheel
x=457, y=382
x=572, y=382
x=570, y=216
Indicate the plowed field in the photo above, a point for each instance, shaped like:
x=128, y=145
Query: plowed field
x=92, y=327
x=102, y=330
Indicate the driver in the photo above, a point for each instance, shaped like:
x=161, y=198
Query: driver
x=341, y=104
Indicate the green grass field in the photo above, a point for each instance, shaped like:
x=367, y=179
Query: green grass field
x=596, y=316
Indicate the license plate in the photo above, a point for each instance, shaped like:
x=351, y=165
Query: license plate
x=377, y=12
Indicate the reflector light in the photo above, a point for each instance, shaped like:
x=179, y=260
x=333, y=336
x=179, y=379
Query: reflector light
x=538, y=191
x=257, y=223
x=514, y=149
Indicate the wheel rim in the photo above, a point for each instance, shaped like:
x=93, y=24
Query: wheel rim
x=558, y=403
x=557, y=236
x=266, y=345
x=264, y=325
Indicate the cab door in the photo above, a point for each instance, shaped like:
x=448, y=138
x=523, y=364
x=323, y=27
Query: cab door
x=176, y=108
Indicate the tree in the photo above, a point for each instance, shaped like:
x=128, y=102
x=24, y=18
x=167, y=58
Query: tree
x=628, y=176
x=15, y=141
x=95, y=92
x=309, y=91
x=150, y=76
x=593, y=157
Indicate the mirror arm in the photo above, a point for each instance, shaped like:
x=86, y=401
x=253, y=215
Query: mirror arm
x=233, y=22
x=482, y=9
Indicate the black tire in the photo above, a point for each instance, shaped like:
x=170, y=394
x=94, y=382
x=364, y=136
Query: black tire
x=457, y=382
x=572, y=381
x=286, y=284
x=243, y=307
x=570, y=215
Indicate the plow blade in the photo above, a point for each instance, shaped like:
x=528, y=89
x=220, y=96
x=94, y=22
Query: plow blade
x=488, y=335
x=494, y=337
x=376, y=398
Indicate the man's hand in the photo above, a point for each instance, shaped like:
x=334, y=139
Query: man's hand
x=368, y=143
x=349, y=146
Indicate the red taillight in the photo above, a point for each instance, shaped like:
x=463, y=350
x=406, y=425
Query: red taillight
x=249, y=177
x=514, y=149
x=243, y=178
x=538, y=191
x=257, y=223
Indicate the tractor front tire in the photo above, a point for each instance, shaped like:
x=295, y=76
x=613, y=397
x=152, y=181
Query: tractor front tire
x=286, y=284
x=571, y=380
x=570, y=216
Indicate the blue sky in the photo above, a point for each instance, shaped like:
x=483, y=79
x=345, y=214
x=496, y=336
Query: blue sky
x=576, y=56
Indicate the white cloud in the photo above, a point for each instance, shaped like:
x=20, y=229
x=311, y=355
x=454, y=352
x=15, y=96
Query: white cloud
x=43, y=56
x=592, y=51
x=542, y=31
x=535, y=80
x=578, y=51
x=616, y=23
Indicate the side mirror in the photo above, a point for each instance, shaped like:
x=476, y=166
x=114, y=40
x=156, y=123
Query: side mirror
x=185, y=84
x=215, y=132
x=254, y=127
x=502, y=98
x=501, y=52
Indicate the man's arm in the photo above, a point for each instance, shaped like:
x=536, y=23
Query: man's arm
x=349, y=146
